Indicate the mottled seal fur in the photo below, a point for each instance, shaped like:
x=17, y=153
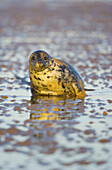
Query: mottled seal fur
x=50, y=76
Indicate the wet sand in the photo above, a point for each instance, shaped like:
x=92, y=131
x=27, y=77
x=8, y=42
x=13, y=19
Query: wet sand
x=55, y=133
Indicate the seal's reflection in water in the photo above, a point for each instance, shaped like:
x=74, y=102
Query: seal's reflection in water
x=47, y=111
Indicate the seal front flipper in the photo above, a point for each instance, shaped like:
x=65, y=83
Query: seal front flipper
x=79, y=90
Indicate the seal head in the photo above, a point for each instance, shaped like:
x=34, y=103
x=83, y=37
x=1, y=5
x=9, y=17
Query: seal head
x=39, y=61
x=51, y=76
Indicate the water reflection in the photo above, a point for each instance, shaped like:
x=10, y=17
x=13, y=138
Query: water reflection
x=49, y=116
x=55, y=99
x=54, y=108
x=46, y=111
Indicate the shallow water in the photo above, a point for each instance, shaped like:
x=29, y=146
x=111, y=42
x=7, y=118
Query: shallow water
x=56, y=133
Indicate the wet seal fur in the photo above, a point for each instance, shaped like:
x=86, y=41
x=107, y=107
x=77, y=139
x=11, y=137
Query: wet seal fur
x=54, y=77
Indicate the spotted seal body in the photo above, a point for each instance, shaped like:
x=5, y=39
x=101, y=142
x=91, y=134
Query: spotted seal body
x=50, y=76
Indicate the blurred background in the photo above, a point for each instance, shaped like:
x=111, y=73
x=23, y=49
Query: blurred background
x=56, y=133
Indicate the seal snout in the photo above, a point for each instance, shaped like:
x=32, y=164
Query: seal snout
x=40, y=63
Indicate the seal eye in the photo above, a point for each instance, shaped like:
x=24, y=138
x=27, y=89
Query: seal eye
x=45, y=58
x=33, y=58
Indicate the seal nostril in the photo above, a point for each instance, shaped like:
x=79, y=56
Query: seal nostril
x=39, y=62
